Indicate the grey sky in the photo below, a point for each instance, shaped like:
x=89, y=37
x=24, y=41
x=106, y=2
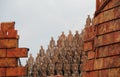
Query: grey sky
x=38, y=20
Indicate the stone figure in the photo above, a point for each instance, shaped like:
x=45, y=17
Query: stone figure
x=88, y=21
x=42, y=51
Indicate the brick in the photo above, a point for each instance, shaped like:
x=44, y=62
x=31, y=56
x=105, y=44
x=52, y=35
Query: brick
x=17, y=52
x=98, y=64
x=89, y=65
x=117, y=12
x=103, y=73
x=91, y=54
x=2, y=71
x=98, y=41
x=116, y=61
x=117, y=36
x=88, y=46
x=106, y=62
x=8, y=62
x=114, y=72
x=85, y=74
x=93, y=74
x=12, y=34
x=103, y=51
x=8, y=43
x=5, y=26
x=108, y=39
x=2, y=52
x=114, y=49
x=16, y=71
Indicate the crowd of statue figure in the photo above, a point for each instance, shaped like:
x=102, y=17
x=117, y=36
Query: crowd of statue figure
x=64, y=58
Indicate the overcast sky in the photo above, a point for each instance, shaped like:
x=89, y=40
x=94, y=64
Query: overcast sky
x=38, y=20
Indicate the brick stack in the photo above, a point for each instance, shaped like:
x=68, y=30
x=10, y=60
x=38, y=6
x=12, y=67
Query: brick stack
x=105, y=61
x=9, y=51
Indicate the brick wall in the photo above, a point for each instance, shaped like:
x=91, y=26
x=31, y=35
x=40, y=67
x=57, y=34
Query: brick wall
x=102, y=43
x=10, y=51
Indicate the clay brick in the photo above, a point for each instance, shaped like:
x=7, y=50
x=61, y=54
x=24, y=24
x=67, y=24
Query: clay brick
x=98, y=41
x=93, y=74
x=89, y=65
x=117, y=36
x=114, y=72
x=2, y=52
x=114, y=49
x=5, y=26
x=108, y=39
x=85, y=74
x=12, y=34
x=16, y=71
x=91, y=54
x=106, y=62
x=2, y=72
x=103, y=51
x=8, y=43
x=8, y=62
x=98, y=64
x=17, y=52
x=103, y=73
x=117, y=12
x=88, y=46
x=116, y=61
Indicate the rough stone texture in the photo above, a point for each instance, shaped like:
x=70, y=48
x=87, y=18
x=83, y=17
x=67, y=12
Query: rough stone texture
x=9, y=51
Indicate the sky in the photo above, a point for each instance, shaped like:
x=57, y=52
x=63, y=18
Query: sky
x=39, y=20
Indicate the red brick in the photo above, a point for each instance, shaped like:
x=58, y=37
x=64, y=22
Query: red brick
x=116, y=61
x=103, y=51
x=103, y=73
x=2, y=52
x=117, y=12
x=93, y=74
x=16, y=71
x=17, y=52
x=98, y=64
x=2, y=72
x=5, y=26
x=8, y=62
x=89, y=65
x=8, y=43
x=108, y=39
x=114, y=49
x=106, y=62
x=85, y=74
x=98, y=41
x=91, y=54
x=114, y=72
x=117, y=36
x=12, y=34
x=88, y=46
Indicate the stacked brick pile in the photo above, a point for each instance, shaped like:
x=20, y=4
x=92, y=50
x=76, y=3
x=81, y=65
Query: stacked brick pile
x=9, y=51
x=103, y=58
